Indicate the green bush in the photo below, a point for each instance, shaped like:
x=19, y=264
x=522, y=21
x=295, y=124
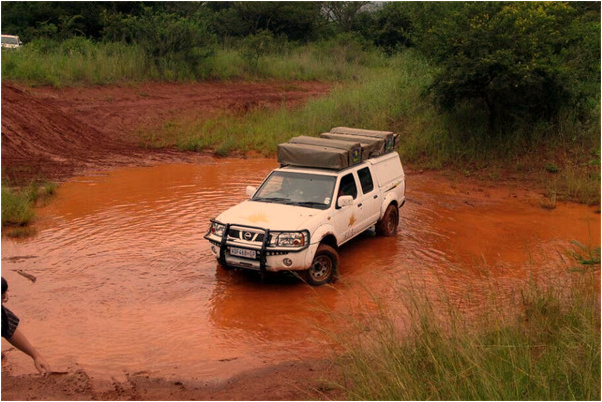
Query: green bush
x=517, y=61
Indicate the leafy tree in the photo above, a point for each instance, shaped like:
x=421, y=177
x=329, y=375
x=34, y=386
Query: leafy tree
x=297, y=21
x=255, y=46
x=508, y=57
x=59, y=20
x=390, y=27
x=344, y=13
x=166, y=37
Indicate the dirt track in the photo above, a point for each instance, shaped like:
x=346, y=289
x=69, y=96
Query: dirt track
x=55, y=134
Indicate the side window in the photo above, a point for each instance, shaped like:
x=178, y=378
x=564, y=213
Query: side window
x=365, y=180
x=348, y=186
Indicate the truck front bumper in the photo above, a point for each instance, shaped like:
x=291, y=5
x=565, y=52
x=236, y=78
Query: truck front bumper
x=233, y=251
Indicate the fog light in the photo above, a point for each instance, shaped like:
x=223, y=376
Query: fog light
x=288, y=262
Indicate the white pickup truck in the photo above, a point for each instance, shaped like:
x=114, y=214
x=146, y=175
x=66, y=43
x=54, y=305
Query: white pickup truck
x=300, y=216
x=11, y=42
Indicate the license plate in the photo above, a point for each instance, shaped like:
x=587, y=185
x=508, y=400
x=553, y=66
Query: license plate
x=241, y=252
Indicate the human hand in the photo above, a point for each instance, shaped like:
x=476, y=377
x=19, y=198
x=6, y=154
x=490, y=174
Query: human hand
x=41, y=365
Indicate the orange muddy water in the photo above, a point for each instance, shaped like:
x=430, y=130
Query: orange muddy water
x=127, y=284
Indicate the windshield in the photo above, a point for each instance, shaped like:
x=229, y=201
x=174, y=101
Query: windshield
x=10, y=40
x=303, y=189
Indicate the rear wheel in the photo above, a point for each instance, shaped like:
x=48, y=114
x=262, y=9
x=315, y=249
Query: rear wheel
x=387, y=226
x=324, y=266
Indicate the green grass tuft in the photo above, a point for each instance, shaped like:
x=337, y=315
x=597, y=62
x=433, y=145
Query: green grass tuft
x=18, y=204
x=548, y=348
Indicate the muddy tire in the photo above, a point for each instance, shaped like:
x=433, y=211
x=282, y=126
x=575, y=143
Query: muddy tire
x=324, y=267
x=387, y=226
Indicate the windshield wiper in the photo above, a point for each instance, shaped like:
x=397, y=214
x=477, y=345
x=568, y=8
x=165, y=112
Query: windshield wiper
x=273, y=199
x=310, y=204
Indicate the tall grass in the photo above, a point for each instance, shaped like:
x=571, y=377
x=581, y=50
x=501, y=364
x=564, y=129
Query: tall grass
x=18, y=204
x=79, y=61
x=16, y=208
x=74, y=62
x=546, y=346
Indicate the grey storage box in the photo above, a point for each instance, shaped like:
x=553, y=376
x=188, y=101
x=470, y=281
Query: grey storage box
x=353, y=148
x=371, y=146
x=391, y=139
x=312, y=156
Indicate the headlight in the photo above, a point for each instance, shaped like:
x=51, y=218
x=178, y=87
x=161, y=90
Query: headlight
x=290, y=239
x=217, y=229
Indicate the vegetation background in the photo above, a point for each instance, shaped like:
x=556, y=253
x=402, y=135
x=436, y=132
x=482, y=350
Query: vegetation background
x=480, y=88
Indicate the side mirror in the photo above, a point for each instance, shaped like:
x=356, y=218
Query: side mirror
x=251, y=191
x=345, y=201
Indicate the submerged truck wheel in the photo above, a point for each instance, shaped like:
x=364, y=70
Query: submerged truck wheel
x=387, y=226
x=324, y=266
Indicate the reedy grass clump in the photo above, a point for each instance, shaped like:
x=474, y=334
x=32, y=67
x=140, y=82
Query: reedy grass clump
x=544, y=346
x=16, y=208
x=18, y=203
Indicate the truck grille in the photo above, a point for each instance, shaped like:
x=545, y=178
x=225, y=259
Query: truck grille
x=246, y=235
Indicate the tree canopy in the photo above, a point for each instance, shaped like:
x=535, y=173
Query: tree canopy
x=517, y=60
x=512, y=58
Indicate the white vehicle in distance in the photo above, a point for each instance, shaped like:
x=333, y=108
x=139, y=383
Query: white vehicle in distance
x=11, y=42
x=326, y=192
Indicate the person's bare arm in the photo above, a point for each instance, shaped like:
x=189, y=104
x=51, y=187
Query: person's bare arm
x=19, y=341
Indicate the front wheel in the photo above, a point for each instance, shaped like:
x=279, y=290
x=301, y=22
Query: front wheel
x=387, y=226
x=324, y=266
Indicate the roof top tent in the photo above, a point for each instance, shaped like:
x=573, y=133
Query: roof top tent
x=391, y=139
x=353, y=148
x=371, y=146
x=308, y=155
x=336, y=150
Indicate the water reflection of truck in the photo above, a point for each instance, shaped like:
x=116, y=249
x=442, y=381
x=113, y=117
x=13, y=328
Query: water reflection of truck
x=327, y=191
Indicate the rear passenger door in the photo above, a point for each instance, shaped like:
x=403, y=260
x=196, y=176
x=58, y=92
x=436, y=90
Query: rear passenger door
x=369, y=201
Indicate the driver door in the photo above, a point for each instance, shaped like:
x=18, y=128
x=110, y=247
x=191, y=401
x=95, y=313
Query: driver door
x=346, y=218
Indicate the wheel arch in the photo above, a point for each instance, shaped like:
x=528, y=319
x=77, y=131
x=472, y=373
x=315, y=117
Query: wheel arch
x=325, y=234
x=385, y=205
x=330, y=240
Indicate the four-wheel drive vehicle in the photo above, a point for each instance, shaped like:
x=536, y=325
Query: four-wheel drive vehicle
x=321, y=197
x=11, y=42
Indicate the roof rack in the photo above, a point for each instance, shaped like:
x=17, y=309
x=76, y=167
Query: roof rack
x=338, y=149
